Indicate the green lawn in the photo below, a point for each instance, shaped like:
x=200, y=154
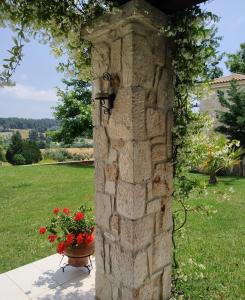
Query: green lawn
x=218, y=242
x=28, y=195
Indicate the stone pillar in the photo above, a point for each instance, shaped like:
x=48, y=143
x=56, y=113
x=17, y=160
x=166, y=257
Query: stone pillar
x=133, y=170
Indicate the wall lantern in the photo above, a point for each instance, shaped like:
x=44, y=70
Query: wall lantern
x=105, y=91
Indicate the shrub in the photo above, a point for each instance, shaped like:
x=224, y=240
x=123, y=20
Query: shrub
x=19, y=159
x=31, y=152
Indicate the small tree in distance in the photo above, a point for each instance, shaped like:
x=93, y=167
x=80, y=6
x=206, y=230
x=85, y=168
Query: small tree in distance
x=232, y=119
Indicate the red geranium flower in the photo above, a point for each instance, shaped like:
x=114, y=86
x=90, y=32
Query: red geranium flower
x=61, y=247
x=79, y=216
x=69, y=239
x=66, y=211
x=42, y=230
x=80, y=238
x=56, y=210
x=89, y=238
x=52, y=237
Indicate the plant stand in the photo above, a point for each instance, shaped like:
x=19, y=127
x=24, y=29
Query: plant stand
x=88, y=266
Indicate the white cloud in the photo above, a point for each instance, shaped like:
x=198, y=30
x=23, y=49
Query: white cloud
x=26, y=92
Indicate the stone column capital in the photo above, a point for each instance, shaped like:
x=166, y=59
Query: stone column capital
x=124, y=19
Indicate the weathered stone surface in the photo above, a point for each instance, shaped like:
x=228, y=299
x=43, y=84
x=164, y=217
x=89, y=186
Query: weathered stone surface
x=159, y=153
x=166, y=283
x=159, y=50
x=102, y=286
x=135, y=162
x=103, y=208
x=110, y=187
x=137, y=58
x=131, y=199
x=111, y=172
x=159, y=253
x=167, y=217
x=99, y=176
x=116, y=56
x=162, y=181
x=100, y=143
x=170, y=123
x=112, y=156
x=136, y=234
x=155, y=122
x=162, y=90
x=107, y=258
x=154, y=206
x=115, y=224
x=99, y=250
x=128, y=116
x=101, y=59
x=128, y=268
x=117, y=144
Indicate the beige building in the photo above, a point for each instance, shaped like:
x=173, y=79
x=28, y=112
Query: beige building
x=210, y=103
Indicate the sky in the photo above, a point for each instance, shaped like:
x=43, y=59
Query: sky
x=34, y=94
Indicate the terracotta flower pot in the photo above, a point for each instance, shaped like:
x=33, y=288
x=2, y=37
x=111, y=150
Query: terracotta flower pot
x=78, y=256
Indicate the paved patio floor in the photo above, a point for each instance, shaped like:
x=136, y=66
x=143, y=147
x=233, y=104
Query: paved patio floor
x=44, y=280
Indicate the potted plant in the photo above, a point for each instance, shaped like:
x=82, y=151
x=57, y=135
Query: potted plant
x=73, y=233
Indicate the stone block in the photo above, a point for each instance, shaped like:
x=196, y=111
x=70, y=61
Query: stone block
x=110, y=187
x=100, y=59
x=159, y=253
x=170, y=123
x=101, y=146
x=154, y=206
x=162, y=184
x=128, y=268
x=127, y=120
x=115, y=224
x=166, y=283
x=107, y=258
x=116, y=56
x=99, y=250
x=136, y=234
x=102, y=286
x=159, y=153
x=103, y=208
x=131, y=199
x=111, y=172
x=137, y=57
x=135, y=162
x=99, y=176
x=155, y=122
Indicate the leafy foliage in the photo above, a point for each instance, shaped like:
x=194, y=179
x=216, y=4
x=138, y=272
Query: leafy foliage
x=219, y=153
x=74, y=111
x=236, y=62
x=22, y=151
x=232, y=118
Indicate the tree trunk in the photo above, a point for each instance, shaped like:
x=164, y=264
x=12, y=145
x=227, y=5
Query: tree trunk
x=212, y=179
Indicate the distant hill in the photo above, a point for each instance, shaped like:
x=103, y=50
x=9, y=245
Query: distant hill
x=40, y=125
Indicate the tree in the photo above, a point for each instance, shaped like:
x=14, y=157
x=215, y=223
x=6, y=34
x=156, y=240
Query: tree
x=33, y=135
x=220, y=153
x=22, y=151
x=236, y=62
x=15, y=147
x=233, y=117
x=74, y=111
x=31, y=152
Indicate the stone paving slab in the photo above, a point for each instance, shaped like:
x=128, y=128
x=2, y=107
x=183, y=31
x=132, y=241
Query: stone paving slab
x=45, y=280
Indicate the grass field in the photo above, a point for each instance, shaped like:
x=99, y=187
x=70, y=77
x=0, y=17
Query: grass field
x=217, y=242
x=28, y=195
